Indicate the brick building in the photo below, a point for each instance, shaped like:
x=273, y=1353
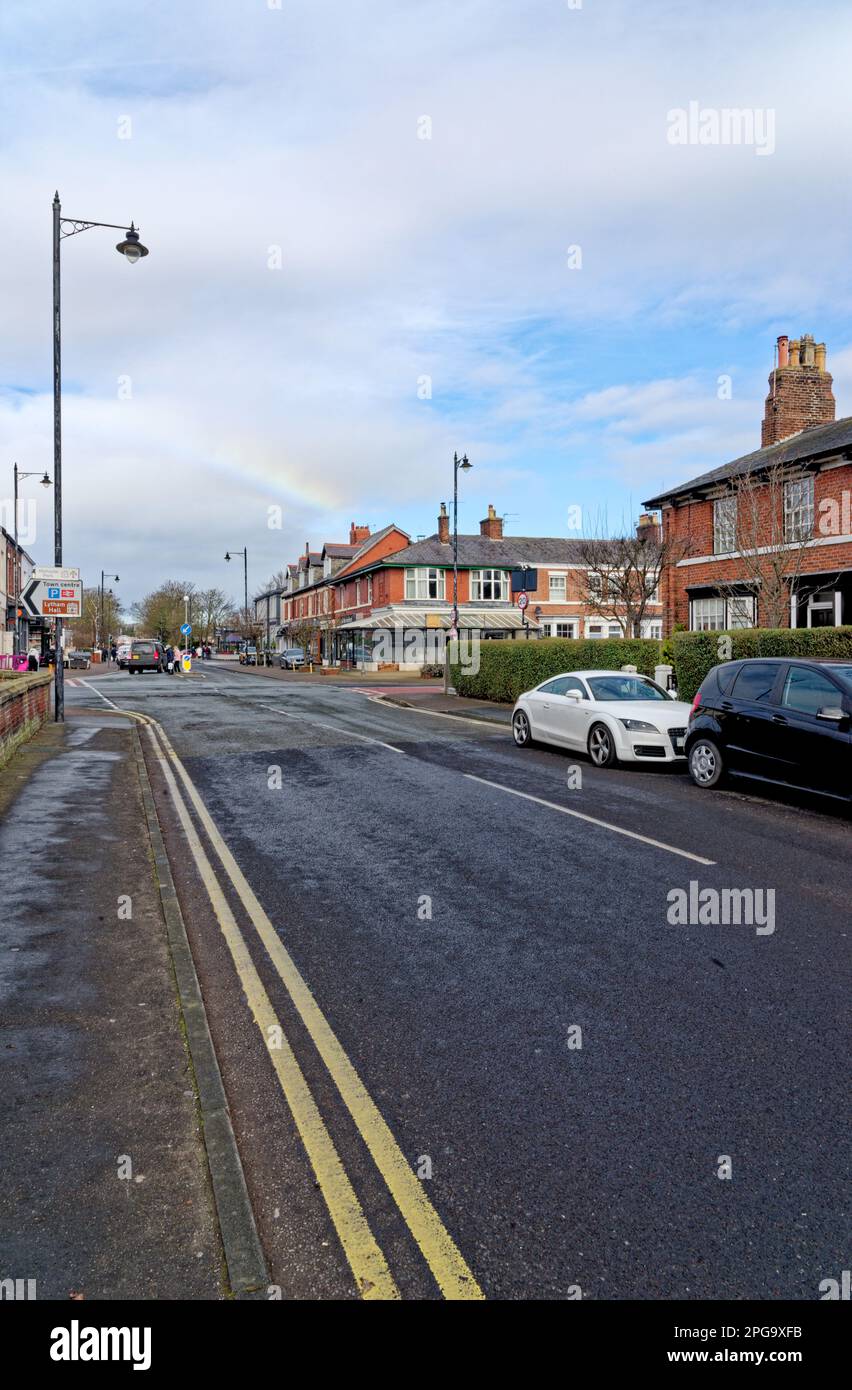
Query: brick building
x=389, y=585
x=16, y=567
x=781, y=513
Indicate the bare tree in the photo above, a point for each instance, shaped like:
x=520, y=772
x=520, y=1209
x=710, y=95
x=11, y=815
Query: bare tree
x=621, y=575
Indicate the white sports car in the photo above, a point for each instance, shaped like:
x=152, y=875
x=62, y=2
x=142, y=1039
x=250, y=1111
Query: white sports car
x=613, y=715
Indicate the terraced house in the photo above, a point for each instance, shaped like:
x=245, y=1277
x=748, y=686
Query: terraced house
x=384, y=603
x=767, y=538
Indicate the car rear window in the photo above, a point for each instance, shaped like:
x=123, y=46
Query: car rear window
x=755, y=681
x=143, y=647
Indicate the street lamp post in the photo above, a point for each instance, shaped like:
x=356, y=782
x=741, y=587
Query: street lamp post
x=102, y=617
x=133, y=250
x=16, y=571
x=228, y=555
x=465, y=464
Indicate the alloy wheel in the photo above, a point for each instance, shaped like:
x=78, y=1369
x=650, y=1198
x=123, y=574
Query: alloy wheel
x=704, y=763
x=521, y=729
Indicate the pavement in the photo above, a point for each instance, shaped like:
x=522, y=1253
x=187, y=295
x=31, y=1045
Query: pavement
x=465, y=1050
x=106, y=1190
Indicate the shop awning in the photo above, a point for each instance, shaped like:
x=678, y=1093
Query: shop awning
x=481, y=620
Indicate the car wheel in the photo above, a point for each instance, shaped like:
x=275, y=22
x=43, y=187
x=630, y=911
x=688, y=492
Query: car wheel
x=602, y=746
x=521, y=731
x=706, y=764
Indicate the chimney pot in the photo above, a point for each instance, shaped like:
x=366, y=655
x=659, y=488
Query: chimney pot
x=443, y=525
x=783, y=350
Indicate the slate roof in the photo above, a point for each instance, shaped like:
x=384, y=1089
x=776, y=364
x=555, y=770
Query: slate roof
x=503, y=554
x=807, y=444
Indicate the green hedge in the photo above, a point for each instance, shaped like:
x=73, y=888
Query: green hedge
x=696, y=652
x=508, y=668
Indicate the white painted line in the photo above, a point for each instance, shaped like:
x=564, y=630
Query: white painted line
x=438, y=714
x=334, y=728
x=592, y=820
x=89, y=686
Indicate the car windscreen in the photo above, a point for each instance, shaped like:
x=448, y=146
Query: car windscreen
x=622, y=687
x=844, y=673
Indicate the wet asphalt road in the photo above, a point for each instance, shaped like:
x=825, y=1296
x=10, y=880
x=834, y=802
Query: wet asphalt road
x=457, y=936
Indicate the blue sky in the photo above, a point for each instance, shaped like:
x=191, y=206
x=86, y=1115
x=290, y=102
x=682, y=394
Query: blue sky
x=313, y=260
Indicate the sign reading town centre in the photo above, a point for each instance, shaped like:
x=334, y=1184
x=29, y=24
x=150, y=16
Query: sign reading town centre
x=53, y=592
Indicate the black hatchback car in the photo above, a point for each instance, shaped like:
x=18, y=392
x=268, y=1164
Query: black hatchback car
x=779, y=719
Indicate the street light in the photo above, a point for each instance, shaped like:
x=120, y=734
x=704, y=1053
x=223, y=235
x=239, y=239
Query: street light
x=16, y=585
x=133, y=250
x=465, y=464
x=244, y=554
x=102, y=620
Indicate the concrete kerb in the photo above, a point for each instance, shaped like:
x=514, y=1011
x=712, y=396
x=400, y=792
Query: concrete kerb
x=247, y=1272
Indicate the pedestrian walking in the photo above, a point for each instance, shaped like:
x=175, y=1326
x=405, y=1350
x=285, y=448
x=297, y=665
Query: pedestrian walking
x=32, y=659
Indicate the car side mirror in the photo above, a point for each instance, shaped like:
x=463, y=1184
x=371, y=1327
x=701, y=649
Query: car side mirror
x=831, y=712
x=574, y=695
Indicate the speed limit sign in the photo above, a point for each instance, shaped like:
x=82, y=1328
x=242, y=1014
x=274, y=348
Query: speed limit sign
x=523, y=600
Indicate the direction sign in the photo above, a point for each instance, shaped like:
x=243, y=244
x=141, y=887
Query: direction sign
x=523, y=600
x=43, y=599
x=56, y=574
x=185, y=629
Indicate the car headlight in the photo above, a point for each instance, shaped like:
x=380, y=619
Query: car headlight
x=638, y=726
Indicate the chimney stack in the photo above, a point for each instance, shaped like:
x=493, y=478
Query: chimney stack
x=443, y=525
x=649, y=529
x=491, y=525
x=357, y=534
x=800, y=394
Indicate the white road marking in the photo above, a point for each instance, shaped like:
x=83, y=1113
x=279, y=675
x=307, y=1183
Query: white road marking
x=438, y=714
x=334, y=728
x=592, y=820
x=89, y=686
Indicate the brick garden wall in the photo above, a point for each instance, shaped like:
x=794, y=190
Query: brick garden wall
x=24, y=705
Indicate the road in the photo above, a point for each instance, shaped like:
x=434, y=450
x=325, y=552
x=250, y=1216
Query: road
x=514, y=1076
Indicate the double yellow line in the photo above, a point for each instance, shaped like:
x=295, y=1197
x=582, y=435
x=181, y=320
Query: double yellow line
x=369, y=1266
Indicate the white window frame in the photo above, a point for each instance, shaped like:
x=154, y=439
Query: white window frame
x=478, y=581
x=721, y=613
x=557, y=588
x=419, y=581
x=725, y=524
x=799, y=510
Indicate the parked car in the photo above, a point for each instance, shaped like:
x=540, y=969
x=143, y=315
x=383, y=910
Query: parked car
x=292, y=658
x=616, y=716
x=146, y=655
x=122, y=655
x=79, y=661
x=778, y=719
x=248, y=656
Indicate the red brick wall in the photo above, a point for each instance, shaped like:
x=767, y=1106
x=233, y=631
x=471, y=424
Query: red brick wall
x=693, y=523
x=23, y=699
